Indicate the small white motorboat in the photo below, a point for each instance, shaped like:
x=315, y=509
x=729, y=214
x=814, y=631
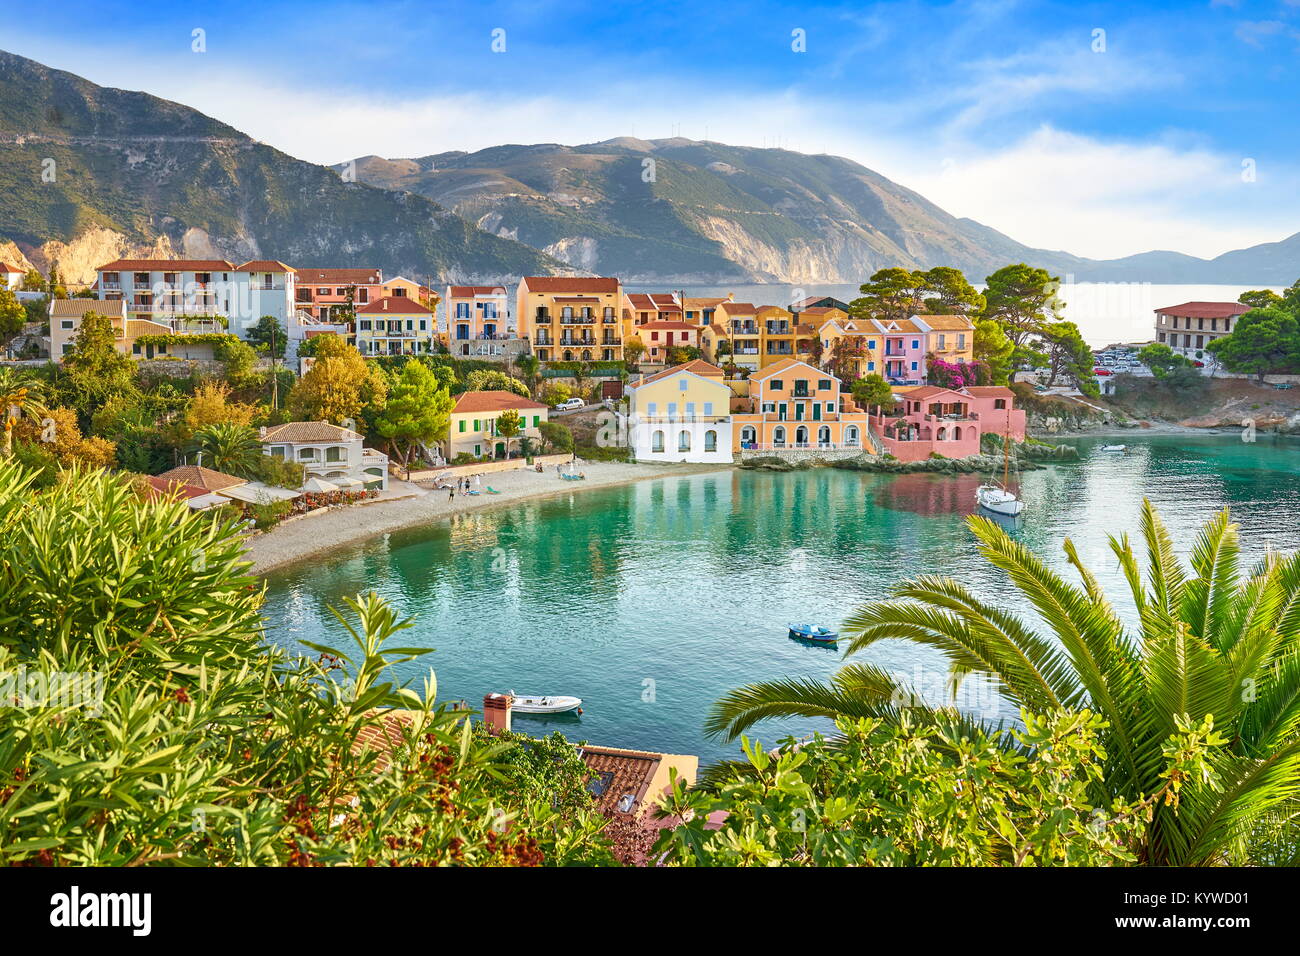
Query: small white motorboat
x=998, y=500
x=555, y=704
x=1120, y=449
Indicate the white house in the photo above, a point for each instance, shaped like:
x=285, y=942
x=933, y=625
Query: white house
x=681, y=414
x=11, y=277
x=327, y=451
x=200, y=295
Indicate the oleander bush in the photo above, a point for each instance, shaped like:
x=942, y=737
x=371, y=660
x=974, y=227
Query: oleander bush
x=177, y=735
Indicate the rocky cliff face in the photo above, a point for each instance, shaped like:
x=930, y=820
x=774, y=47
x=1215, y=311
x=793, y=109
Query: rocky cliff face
x=88, y=174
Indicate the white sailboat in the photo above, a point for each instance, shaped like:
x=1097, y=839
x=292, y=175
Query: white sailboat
x=999, y=499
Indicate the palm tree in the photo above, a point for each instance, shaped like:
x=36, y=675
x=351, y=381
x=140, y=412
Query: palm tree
x=228, y=447
x=1211, y=643
x=21, y=396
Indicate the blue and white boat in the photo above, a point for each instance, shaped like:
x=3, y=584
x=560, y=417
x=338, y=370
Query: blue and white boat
x=813, y=632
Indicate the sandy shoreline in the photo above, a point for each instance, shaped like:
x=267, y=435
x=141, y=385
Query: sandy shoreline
x=316, y=534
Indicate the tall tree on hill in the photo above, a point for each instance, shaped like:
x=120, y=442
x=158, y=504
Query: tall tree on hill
x=340, y=385
x=12, y=314
x=948, y=292
x=892, y=295
x=416, y=413
x=1259, y=298
x=994, y=350
x=1068, y=355
x=93, y=370
x=1022, y=299
x=1263, y=341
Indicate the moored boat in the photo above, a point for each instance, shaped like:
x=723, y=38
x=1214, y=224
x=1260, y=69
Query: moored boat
x=813, y=632
x=554, y=704
x=998, y=500
x=1115, y=448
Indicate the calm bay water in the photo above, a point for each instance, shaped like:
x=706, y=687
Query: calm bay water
x=653, y=599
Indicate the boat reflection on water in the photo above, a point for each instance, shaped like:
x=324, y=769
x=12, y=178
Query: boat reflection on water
x=549, y=720
x=1006, y=522
x=814, y=645
x=930, y=494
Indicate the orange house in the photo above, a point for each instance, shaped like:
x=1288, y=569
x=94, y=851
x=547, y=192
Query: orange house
x=793, y=405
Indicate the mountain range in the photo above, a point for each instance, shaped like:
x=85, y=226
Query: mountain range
x=711, y=213
x=90, y=173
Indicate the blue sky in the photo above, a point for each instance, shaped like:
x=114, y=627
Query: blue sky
x=1018, y=114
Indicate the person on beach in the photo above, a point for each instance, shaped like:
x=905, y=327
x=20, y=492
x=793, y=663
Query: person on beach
x=451, y=496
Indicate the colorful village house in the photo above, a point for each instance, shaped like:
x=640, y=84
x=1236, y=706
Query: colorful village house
x=681, y=414
x=794, y=405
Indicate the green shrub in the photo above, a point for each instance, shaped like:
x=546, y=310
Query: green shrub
x=194, y=742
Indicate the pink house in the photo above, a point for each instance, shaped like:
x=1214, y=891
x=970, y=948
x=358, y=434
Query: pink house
x=902, y=351
x=933, y=420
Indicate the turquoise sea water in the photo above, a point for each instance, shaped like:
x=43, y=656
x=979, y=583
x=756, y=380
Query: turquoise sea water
x=651, y=600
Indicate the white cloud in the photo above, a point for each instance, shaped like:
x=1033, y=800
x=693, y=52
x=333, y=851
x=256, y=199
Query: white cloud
x=1047, y=188
x=1058, y=190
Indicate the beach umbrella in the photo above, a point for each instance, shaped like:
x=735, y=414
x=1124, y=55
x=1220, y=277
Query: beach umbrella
x=318, y=484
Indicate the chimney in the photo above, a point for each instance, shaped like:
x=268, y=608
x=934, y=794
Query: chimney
x=496, y=712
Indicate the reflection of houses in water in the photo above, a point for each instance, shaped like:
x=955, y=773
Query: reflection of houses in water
x=926, y=494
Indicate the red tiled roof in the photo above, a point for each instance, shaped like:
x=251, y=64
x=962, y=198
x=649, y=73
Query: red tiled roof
x=168, y=265
x=697, y=367
x=738, y=308
x=1205, y=310
x=161, y=487
x=571, y=284
x=991, y=391
x=6, y=267
x=466, y=291
x=313, y=432
x=494, y=401
x=201, y=477
x=338, y=276
x=401, y=305
x=669, y=324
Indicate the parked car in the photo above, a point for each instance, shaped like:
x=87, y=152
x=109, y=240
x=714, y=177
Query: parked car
x=1198, y=364
x=570, y=404
x=1102, y=371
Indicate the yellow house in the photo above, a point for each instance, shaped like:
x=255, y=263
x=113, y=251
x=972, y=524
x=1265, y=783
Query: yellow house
x=681, y=414
x=950, y=338
x=712, y=336
x=777, y=327
x=740, y=322
x=571, y=319
x=473, y=427
x=65, y=321
x=852, y=347
x=394, y=325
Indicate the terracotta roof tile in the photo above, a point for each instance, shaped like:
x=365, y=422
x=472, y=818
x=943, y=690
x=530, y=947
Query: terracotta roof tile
x=697, y=367
x=554, y=284
x=201, y=477
x=1205, y=310
x=494, y=401
x=468, y=291
x=307, y=432
x=394, y=305
x=168, y=265
x=338, y=276
x=75, y=308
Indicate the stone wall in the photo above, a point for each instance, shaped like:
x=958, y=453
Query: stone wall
x=800, y=456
